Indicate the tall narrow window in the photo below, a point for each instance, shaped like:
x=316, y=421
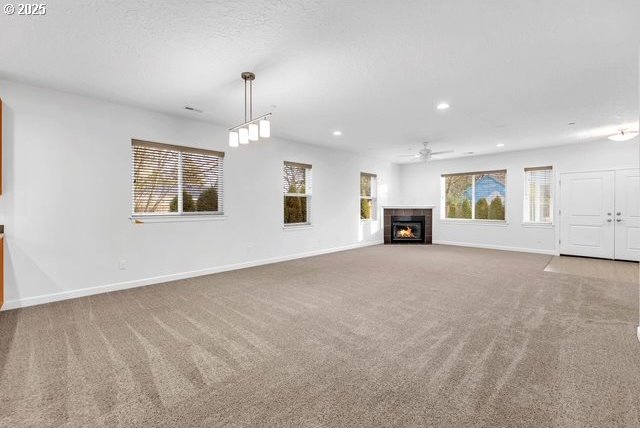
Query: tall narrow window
x=538, y=200
x=296, y=186
x=475, y=196
x=368, y=196
x=175, y=181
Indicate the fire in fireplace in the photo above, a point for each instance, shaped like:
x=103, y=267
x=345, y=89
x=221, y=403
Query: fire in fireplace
x=407, y=231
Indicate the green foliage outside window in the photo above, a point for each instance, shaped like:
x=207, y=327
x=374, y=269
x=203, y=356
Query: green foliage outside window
x=208, y=200
x=365, y=208
x=188, y=204
x=457, y=203
x=482, y=209
x=295, y=207
x=496, y=209
x=465, y=209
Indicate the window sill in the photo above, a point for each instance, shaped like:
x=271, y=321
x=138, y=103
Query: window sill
x=297, y=226
x=499, y=223
x=538, y=225
x=176, y=219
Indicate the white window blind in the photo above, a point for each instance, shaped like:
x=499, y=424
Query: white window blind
x=296, y=187
x=368, y=196
x=475, y=195
x=538, y=200
x=174, y=180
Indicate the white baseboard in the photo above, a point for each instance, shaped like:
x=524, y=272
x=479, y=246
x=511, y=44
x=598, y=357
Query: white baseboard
x=498, y=247
x=638, y=333
x=82, y=292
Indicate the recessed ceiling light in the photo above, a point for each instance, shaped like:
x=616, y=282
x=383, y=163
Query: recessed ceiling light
x=623, y=135
x=500, y=145
x=442, y=106
x=337, y=133
x=571, y=123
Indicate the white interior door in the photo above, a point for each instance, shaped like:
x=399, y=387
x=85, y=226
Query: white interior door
x=627, y=214
x=587, y=214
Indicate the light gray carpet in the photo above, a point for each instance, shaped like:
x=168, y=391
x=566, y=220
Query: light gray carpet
x=382, y=336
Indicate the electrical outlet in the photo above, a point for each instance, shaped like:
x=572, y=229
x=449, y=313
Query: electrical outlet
x=122, y=264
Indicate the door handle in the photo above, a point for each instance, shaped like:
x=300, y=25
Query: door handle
x=618, y=213
x=609, y=220
x=608, y=213
x=618, y=220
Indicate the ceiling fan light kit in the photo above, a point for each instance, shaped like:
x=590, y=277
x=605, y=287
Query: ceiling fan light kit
x=424, y=155
x=252, y=129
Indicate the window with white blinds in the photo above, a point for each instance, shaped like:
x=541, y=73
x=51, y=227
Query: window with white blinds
x=296, y=187
x=475, y=195
x=175, y=181
x=368, y=196
x=538, y=201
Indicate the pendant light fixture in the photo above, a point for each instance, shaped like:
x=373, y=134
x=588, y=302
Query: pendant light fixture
x=252, y=129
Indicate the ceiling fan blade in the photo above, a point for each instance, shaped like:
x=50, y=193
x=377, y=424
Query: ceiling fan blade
x=442, y=152
x=407, y=156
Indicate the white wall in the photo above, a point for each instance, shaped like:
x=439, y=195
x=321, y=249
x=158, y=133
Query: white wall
x=66, y=198
x=420, y=184
x=67, y=202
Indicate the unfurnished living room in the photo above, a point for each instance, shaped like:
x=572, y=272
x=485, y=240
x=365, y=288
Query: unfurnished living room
x=306, y=213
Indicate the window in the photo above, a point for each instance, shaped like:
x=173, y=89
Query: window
x=296, y=186
x=368, y=196
x=175, y=181
x=475, y=196
x=537, y=195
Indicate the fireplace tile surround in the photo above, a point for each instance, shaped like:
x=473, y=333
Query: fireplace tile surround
x=400, y=213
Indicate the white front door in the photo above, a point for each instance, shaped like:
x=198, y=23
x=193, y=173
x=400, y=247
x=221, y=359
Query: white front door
x=587, y=214
x=627, y=214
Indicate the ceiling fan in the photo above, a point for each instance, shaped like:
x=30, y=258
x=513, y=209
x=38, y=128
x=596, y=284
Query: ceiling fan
x=424, y=155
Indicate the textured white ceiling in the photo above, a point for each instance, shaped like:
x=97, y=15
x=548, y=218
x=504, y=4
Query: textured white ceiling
x=514, y=71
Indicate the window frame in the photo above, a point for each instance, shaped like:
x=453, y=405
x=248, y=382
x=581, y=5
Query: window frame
x=307, y=195
x=373, y=197
x=179, y=215
x=472, y=220
x=526, y=201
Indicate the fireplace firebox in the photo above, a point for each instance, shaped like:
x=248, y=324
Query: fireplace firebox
x=406, y=229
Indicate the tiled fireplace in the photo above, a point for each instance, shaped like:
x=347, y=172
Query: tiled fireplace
x=408, y=225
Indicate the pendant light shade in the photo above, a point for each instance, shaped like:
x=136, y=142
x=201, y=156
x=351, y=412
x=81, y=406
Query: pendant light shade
x=233, y=139
x=244, y=135
x=253, y=132
x=253, y=128
x=265, y=128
